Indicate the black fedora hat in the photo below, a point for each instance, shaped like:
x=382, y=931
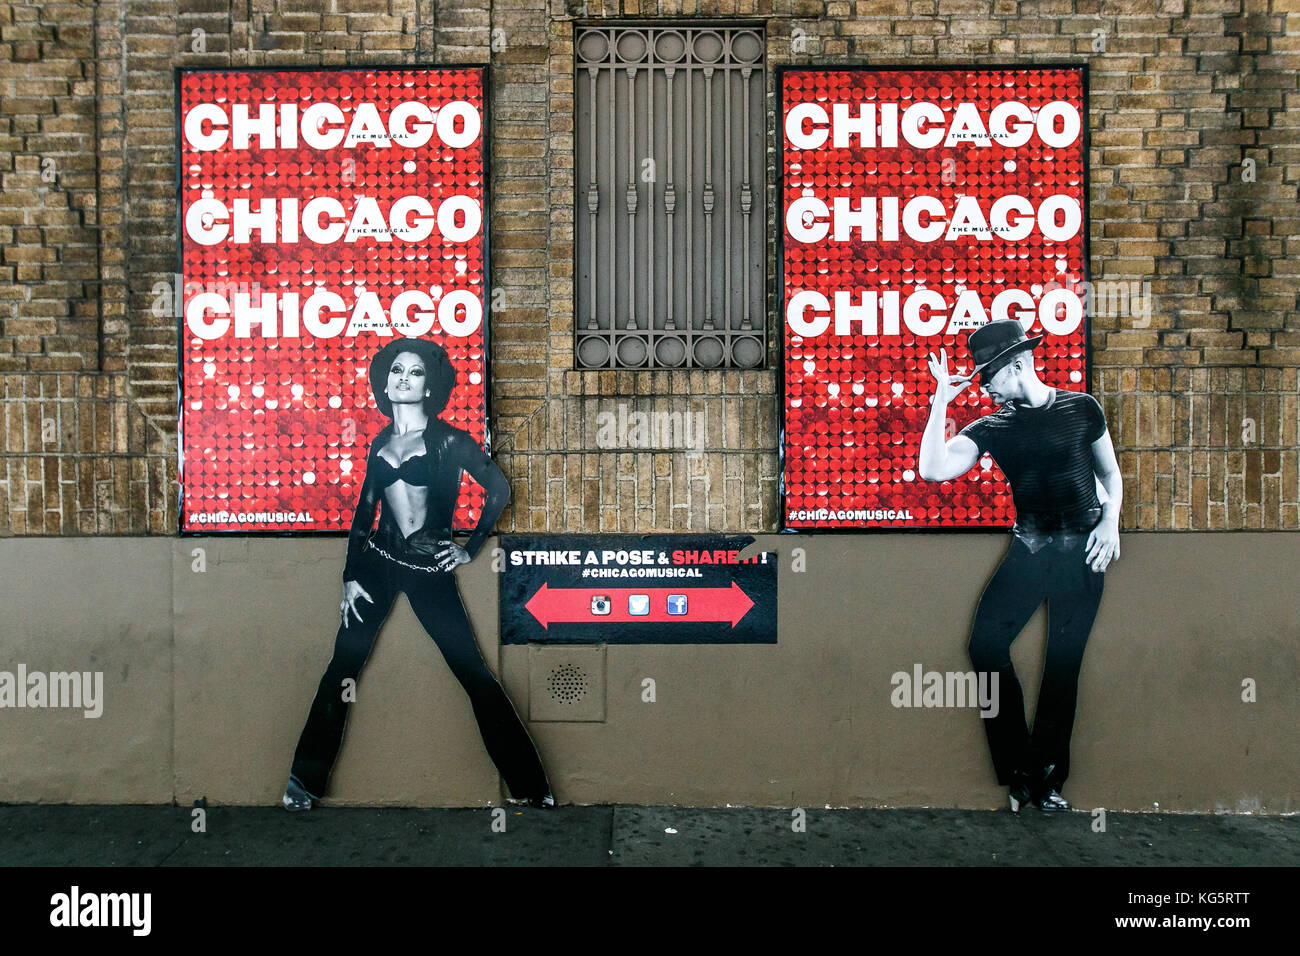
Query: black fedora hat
x=995, y=342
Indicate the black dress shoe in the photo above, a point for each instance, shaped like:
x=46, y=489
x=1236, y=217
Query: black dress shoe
x=1051, y=802
x=1020, y=797
x=1021, y=792
x=1046, y=796
x=546, y=802
x=295, y=797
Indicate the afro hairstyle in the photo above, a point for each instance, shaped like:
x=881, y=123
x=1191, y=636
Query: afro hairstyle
x=440, y=375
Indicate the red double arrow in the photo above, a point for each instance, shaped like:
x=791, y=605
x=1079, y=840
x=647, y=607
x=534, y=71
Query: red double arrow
x=573, y=605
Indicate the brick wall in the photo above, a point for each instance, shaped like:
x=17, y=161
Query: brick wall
x=1202, y=397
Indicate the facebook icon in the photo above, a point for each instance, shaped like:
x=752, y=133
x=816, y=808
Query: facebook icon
x=677, y=604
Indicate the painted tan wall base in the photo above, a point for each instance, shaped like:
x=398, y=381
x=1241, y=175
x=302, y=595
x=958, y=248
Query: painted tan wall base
x=208, y=675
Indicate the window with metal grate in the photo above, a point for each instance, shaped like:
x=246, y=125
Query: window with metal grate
x=669, y=187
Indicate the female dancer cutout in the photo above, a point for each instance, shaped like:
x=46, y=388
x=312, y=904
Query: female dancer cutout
x=415, y=463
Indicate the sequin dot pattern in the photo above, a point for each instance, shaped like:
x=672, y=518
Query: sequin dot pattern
x=276, y=407
x=856, y=402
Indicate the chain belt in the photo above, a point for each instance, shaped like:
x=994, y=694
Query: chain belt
x=413, y=567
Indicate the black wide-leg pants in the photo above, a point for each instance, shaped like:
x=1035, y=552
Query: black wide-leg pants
x=1021, y=583
x=436, y=601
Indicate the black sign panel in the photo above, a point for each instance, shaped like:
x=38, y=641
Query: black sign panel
x=636, y=589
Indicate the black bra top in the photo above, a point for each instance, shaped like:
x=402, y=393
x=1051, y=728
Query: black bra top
x=408, y=471
x=448, y=454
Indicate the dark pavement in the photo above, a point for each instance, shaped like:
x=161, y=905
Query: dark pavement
x=118, y=836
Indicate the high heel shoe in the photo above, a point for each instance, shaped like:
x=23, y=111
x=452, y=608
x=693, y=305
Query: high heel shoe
x=295, y=797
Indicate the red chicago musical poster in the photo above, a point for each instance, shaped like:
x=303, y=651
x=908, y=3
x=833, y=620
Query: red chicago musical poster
x=917, y=205
x=322, y=214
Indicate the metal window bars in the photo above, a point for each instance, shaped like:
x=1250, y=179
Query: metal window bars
x=670, y=154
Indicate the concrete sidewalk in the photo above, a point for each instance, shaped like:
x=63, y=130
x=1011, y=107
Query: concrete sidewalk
x=632, y=836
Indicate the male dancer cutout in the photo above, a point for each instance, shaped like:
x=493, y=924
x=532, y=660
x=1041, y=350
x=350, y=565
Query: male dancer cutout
x=1050, y=443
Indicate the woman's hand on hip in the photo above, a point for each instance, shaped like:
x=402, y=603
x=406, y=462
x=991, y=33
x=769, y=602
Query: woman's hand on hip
x=351, y=591
x=451, y=555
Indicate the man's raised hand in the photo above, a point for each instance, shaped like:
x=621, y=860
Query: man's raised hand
x=947, y=384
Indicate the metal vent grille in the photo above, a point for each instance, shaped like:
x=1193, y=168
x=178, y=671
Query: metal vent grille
x=669, y=197
x=567, y=684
